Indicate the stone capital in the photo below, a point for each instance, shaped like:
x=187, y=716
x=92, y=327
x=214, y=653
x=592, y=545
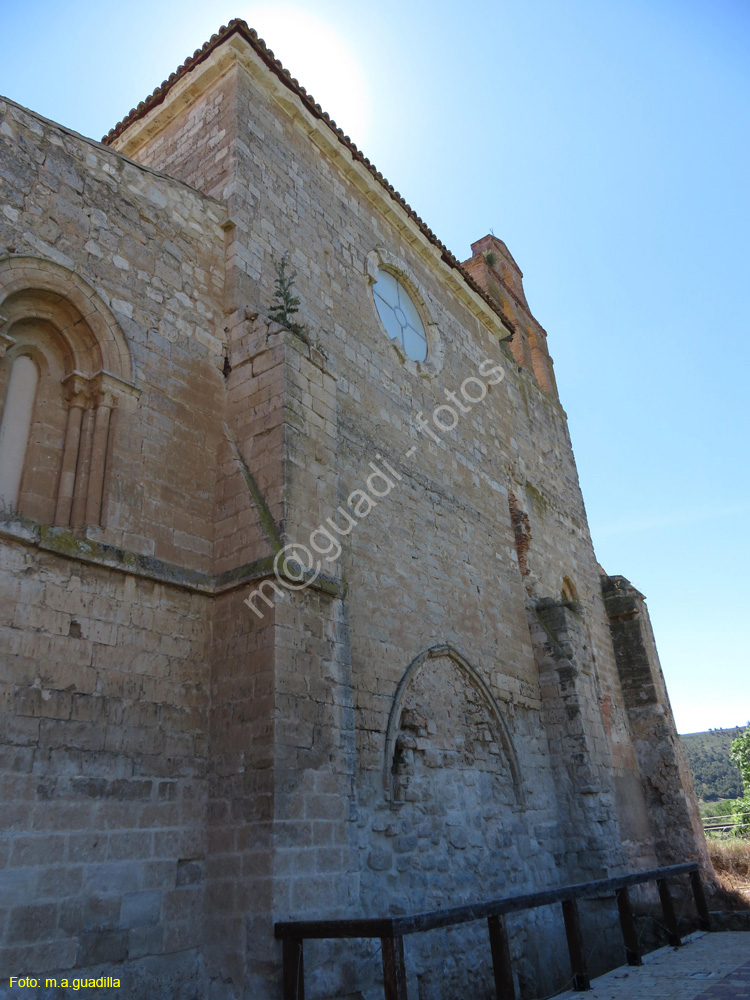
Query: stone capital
x=78, y=390
x=101, y=389
x=111, y=388
x=6, y=340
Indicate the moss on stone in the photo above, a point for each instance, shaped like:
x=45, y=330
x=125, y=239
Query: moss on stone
x=542, y=503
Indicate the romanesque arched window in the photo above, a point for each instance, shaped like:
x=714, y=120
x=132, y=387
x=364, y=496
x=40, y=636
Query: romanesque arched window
x=15, y=428
x=64, y=366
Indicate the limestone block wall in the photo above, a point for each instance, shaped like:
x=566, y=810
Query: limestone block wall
x=106, y=631
x=198, y=739
x=152, y=251
x=281, y=773
x=240, y=835
x=104, y=743
x=196, y=136
x=250, y=488
x=199, y=146
x=477, y=531
x=664, y=773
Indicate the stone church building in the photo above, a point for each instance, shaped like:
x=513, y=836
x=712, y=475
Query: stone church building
x=299, y=618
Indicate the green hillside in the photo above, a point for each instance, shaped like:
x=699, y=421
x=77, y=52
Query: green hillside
x=715, y=776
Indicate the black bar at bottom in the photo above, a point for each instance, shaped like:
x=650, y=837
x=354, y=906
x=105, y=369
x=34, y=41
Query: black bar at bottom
x=501, y=964
x=704, y=917
x=575, y=945
x=294, y=969
x=394, y=968
x=627, y=925
x=667, y=908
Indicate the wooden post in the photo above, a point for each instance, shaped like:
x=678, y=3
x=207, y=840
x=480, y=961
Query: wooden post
x=575, y=945
x=667, y=908
x=294, y=969
x=501, y=965
x=394, y=968
x=704, y=917
x=627, y=925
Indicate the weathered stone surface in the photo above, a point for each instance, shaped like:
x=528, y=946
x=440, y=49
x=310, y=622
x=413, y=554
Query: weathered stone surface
x=191, y=748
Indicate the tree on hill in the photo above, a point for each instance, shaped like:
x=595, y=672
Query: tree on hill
x=740, y=755
x=714, y=773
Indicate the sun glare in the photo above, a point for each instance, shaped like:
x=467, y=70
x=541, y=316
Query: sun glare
x=322, y=60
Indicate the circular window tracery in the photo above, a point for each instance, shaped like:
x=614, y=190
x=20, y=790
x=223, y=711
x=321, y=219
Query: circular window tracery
x=399, y=315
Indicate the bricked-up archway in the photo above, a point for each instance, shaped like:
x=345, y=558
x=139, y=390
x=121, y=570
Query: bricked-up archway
x=52, y=317
x=452, y=826
x=472, y=676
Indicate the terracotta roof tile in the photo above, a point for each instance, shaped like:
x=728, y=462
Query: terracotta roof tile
x=238, y=26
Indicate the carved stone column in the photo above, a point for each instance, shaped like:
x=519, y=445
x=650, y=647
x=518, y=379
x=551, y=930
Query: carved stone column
x=94, y=398
x=78, y=394
x=104, y=406
x=80, y=490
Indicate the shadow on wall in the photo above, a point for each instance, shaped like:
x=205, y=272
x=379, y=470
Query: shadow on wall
x=449, y=826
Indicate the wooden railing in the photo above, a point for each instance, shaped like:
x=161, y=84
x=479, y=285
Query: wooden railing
x=391, y=930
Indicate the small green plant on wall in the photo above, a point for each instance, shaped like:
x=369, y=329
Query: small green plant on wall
x=285, y=302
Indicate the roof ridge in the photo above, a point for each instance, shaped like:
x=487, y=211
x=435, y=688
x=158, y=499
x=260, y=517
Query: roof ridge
x=239, y=26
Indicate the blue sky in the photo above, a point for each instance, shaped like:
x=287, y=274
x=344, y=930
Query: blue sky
x=607, y=144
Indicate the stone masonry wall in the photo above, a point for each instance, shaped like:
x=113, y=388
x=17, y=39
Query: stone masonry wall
x=106, y=633
x=104, y=764
x=666, y=781
x=282, y=751
x=436, y=561
x=438, y=712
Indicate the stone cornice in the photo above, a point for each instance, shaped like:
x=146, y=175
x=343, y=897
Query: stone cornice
x=62, y=542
